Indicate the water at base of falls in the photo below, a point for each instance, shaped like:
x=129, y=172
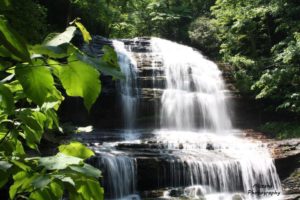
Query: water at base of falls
x=195, y=154
x=191, y=165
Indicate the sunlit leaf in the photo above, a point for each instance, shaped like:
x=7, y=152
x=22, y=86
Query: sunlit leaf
x=80, y=79
x=6, y=99
x=76, y=149
x=62, y=38
x=59, y=161
x=87, y=170
x=36, y=81
x=86, y=35
x=90, y=189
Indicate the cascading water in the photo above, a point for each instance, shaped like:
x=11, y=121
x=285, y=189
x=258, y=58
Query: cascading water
x=119, y=173
x=128, y=86
x=195, y=146
x=194, y=95
x=194, y=100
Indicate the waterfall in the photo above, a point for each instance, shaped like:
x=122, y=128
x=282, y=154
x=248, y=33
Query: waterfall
x=195, y=143
x=128, y=86
x=194, y=94
x=119, y=172
x=194, y=104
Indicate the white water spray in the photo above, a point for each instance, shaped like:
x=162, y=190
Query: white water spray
x=128, y=86
x=194, y=96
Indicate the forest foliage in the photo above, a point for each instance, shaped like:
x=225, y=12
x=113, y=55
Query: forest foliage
x=34, y=81
x=261, y=39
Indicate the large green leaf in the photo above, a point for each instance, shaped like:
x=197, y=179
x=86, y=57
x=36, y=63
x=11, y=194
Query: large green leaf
x=76, y=149
x=22, y=182
x=90, y=189
x=51, y=51
x=53, y=192
x=104, y=67
x=33, y=119
x=6, y=99
x=80, y=79
x=62, y=38
x=36, y=81
x=110, y=56
x=59, y=161
x=56, y=45
x=87, y=170
x=12, y=41
x=41, y=181
x=33, y=137
x=21, y=165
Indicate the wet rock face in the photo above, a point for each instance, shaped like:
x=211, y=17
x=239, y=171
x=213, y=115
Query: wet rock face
x=287, y=161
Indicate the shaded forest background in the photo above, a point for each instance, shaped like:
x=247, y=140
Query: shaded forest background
x=260, y=39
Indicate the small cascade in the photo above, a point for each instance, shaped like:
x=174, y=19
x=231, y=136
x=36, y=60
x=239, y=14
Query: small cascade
x=224, y=164
x=128, y=87
x=119, y=172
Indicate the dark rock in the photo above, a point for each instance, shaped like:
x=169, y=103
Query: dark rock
x=152, y=194
x=176, y=192
x=237, y=197
x=180, y=146
x=210, y=146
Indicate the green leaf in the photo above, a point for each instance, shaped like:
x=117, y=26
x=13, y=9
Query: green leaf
x=42, y=195
x=53, y=191
x=68, y=180
x=90, y=189
x=58, y=162
x=21, y=165
x=12, y=41
x=62, y=38
x=51, y=51
x=76, y=149
x=86, y=35
x=87, y=170
x=41, y=182
x=6, y=99
x=33, y=137
x=22, y=182
x=110, y=56
x=102, y=66
x=80, y=79
x=36, y=81
x=19, y=149
x=33, y=119
x=56, y=45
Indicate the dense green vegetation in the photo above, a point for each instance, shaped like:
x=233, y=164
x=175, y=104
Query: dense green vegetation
x=34, y=79
x=282, y=130
x=260, y=39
